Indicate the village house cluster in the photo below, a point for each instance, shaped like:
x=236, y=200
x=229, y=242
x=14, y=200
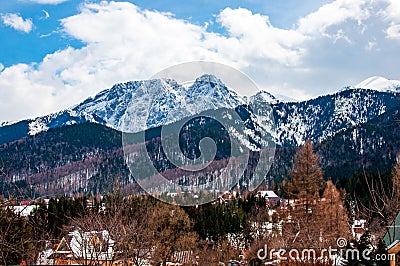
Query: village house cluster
x=80, y=247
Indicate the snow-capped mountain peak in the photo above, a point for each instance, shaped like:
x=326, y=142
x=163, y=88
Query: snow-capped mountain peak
x=163, y=101
x=212, y=90
x=152, y=102
x=265, y=96
x=379, y=84
x=209, y=78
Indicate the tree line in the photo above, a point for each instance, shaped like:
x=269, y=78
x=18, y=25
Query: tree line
x=315, y=214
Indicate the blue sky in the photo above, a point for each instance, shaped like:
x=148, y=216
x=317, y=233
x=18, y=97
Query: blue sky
x=55, y=53
x=47, y=37
x=29, y=47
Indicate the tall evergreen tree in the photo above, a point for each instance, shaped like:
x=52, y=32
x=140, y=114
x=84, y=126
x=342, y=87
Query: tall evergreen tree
x=306, y=176
x=332, y=215
x=311, y=220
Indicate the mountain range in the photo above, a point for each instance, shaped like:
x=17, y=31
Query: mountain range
x=295, y=122
x=80, y=148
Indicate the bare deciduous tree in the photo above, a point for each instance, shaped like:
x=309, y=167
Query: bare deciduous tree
x=90, y=239
x=173, y=229
x=15, y=237
x=139, y=230
x=384, y=201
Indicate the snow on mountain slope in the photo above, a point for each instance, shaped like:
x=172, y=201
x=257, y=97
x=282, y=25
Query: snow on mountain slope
x=325, y=116
x=159, y=102
x=265, y=96
x=150, y=100
x=284, y=98
x=210, y=89
x=379, y=84
x=274, y=99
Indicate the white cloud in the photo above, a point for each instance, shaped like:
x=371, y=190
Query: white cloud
x=50, y=2
x=393, y=31
x=390, y=13
x=334, y=13
x=16, y=22
x=257, y=38
x=392, y=10
x=22, y=94
x=339, y=44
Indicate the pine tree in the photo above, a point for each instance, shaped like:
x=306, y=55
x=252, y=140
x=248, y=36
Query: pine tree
x=306, y=182
x=306, y=176
x=332, y=215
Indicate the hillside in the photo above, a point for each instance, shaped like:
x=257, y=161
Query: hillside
x=88, y=157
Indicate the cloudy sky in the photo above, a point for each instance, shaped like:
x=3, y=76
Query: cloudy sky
x=55, y=53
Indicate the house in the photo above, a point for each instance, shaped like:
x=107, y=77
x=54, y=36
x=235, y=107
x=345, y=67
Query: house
x=394, y=253
x=80, y=247
x=25, y=202
x=392, y=241
x=180, y=258
x=97, y=248
x=24, y=210
x=225, y=197
x=270, y=197
x=44, y=257
x=358, y=228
